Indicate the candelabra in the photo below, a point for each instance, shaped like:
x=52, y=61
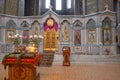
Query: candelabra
x=34, y=41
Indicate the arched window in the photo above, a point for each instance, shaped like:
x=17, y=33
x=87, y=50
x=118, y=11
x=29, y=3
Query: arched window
x=47, y=3
x=68, y=4
x=58, y=4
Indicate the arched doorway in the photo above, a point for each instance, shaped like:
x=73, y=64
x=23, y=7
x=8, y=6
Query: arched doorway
x=50, y=35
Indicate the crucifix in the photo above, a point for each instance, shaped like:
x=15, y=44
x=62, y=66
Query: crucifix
x=50, y=7
x=106, y=7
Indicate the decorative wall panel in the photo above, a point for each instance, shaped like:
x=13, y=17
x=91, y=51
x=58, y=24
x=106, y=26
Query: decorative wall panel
x=50, y=35
x=11, y=7
x=106, y=3
x=91, y=6
x=1, y=6
x=78, y=7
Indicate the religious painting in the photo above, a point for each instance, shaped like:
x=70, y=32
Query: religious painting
x=106, y=31
x=10, y=30
x=25, y=36
x=77, y=37
x=25, y=33
x=35, y=28
x=106, y=35
x=65, y=30
x=10, y=34
x=91, y=31
x=92, y=36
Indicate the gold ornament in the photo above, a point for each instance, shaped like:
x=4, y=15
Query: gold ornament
x=50, y=22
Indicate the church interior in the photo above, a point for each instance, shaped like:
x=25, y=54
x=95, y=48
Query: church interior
x=60, y=39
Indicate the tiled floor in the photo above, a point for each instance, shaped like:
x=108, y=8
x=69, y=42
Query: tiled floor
x=76, y=72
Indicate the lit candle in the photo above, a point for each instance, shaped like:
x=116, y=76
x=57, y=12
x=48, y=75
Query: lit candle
x=30, y=36
x=35, y=36
x=9, y=36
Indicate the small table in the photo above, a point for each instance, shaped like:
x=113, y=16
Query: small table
x=22, y=66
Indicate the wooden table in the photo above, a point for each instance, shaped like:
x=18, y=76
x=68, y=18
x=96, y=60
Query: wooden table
x=22, y=69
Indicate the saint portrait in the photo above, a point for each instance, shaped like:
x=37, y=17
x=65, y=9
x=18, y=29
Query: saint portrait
x=65, y=34
x=106, y=35
x=91, y=36
x=77, y=37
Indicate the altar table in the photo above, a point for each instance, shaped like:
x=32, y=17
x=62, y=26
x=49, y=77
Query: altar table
x=22, y=66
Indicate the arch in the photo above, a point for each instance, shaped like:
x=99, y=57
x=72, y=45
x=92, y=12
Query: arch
x=65, y=21
x=106, y=20
x=64, y=32
x=24, y=24
x=25, y=32
x=91, y=31
x=35, y=27
x=77, y=23
x=11, y=23
x=77, y=32
x=10, y=30
x=91, y=24
x=106, y=31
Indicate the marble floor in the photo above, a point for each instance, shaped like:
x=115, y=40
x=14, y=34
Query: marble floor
x=76, y=72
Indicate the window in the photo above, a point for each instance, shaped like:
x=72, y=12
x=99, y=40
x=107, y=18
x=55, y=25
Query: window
x=68, y=4
x=58, y=4
x=47, y=4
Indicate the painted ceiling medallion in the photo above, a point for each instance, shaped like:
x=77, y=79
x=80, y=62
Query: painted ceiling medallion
x=50, y=22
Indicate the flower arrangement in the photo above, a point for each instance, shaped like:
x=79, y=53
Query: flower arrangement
x=15, y=39
x=35, y=39
x=107, y=50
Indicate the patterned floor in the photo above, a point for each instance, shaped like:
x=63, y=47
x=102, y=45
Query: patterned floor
x=76, y=72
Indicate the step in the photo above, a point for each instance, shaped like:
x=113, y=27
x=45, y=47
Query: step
x=58, y=59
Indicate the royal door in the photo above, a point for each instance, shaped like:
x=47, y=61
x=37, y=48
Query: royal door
x=50, y=35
